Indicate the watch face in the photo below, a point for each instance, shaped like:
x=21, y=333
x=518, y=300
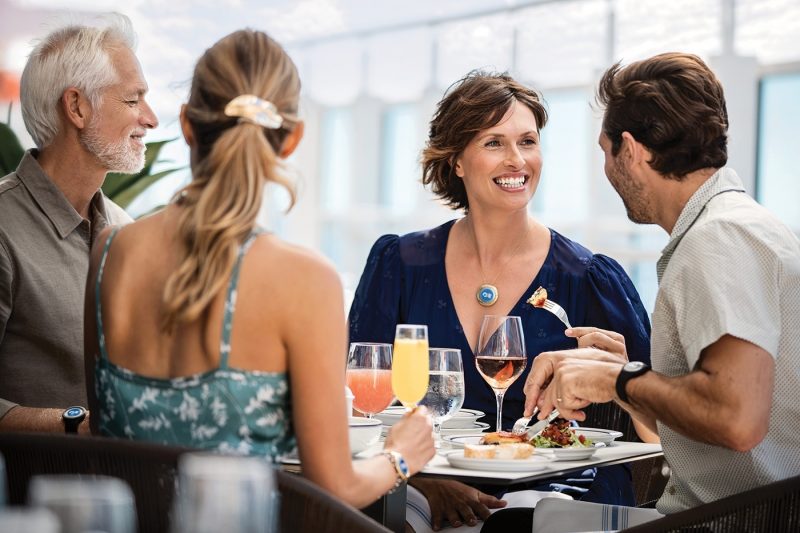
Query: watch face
x=74, y=412
x=633, y=366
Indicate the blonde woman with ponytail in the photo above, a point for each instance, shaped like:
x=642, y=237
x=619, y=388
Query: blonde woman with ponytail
x=202, y=330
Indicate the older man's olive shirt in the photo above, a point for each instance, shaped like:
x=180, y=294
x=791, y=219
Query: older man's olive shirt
x=44, y=261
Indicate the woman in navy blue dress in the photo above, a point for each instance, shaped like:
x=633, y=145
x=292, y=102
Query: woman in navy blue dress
x=483, y=157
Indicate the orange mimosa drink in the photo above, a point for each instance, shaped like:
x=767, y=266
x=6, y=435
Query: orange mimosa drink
x=410, y=370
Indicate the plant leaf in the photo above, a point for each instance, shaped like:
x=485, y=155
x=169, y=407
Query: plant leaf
x=11, y=151
x=124, y=197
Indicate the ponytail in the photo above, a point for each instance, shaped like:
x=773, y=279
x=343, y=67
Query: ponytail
x=220, y=205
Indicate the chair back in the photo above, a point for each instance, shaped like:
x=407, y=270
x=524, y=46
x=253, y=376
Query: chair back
x=774, y=508
x=307, y=507
x=151, y=471
x=649, y=475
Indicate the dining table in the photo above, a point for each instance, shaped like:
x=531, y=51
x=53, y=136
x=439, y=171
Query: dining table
x=390, y=510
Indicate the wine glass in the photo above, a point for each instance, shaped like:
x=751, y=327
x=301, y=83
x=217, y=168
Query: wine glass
x=225, y=493
x=445, y=394
x=410, y=364
x=500, y=356
x=369, y=376
x=86, y=503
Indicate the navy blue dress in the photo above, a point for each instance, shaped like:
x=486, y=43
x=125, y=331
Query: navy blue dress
x=405, y=282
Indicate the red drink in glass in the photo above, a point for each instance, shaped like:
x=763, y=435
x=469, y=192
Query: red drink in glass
x=372, y=389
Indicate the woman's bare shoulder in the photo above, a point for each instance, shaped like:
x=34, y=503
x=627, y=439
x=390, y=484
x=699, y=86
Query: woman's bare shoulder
x=292, y=262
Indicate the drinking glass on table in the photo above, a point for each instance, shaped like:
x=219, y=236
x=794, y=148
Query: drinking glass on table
x=225, y=493
x=85, y=503
x=445, y=394
x=28, y=520
x=500, y=356
x=369, y=376
x=410, y=364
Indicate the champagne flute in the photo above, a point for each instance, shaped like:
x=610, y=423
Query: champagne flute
x=369, y=376
x=500, y=356
x=445, y=394
x=410, y=364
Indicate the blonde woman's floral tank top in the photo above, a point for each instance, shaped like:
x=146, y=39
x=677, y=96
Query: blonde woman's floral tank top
x=225, y=409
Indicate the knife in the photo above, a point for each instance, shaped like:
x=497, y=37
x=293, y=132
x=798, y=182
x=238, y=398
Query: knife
x=541, y=424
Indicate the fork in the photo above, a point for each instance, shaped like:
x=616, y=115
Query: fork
x=521, y=425
x=557, y=310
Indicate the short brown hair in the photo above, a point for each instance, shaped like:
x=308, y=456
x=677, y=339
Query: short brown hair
x=674, y=105
x=476, y=102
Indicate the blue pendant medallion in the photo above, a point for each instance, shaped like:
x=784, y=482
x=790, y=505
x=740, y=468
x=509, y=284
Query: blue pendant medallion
x=486, y=295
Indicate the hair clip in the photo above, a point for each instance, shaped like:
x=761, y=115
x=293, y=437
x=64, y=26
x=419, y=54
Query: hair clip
x=256, y=110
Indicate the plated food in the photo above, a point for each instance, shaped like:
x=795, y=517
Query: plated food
x=504, y=445
x=559, y=434
x=530, y=464
x=505, y=451
x=503, y=437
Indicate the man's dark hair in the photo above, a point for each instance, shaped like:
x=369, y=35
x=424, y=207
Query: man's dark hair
x=674, y=105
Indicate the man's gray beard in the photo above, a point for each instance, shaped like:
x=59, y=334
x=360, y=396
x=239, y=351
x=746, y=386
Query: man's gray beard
x=119, y=156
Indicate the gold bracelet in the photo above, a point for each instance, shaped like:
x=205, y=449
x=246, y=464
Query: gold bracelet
x=400, y=468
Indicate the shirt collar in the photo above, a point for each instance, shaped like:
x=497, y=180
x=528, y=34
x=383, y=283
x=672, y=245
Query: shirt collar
x=52, y=201
x=723, y=180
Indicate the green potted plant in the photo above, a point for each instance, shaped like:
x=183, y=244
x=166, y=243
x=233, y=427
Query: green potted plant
x=120, y=188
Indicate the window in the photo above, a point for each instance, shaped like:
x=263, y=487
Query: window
x=777, y=173
x=562, y=196
x=335, y=158
x=399, y=183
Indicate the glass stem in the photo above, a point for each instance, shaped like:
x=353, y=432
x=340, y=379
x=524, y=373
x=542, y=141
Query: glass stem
x=499, y=395
x=437, y=433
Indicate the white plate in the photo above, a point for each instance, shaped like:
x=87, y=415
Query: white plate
x=464, y=418
x=476, y=429
x=606, y=436
x=460, y=439
x=531, y=464
x=567, y=454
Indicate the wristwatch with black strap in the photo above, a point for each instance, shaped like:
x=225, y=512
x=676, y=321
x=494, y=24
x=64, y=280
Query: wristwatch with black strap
x=72, y=418
x=631, y=369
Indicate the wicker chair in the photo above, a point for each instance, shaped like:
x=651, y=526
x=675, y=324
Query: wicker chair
x=150, y=470
x=649, y=475
x=773, y=508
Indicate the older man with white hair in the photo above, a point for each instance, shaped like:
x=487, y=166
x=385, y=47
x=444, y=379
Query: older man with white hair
x=83, y=102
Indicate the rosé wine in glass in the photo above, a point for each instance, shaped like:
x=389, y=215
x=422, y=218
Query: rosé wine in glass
x=500, y=356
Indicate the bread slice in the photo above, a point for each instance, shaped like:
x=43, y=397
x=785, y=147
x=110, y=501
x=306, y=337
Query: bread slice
x=517, y=450
x=480, y=451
